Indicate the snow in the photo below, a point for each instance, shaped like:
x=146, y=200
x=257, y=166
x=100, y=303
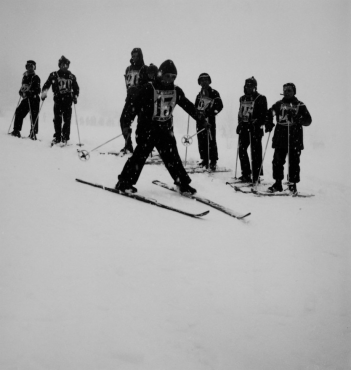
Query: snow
x=93, y=280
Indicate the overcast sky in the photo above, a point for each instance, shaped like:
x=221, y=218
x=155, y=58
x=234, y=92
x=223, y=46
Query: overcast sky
x=277, y=41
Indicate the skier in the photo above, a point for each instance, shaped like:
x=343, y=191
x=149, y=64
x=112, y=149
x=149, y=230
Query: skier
x=135, y=76
x=291, y=114
x=210, y=103
x=251, y=118
x=66, y=90
x=29, y=92
x=155, y=104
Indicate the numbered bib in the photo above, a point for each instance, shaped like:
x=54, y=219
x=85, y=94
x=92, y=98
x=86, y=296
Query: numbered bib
x=286, y=111
x=164, y=103
x=204, y=103
x=65, y=85
x=246, y=110
x=132, y=78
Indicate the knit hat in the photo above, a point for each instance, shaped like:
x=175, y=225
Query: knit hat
x=63, y=60
x=204, y=75
x=251, y=81
x=31, y=62
x=140, y=62
x=292, y=85
x=152, y=69
x=167, y=67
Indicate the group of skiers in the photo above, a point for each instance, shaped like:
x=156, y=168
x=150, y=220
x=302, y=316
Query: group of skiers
x=66, y=91
x=152, y=96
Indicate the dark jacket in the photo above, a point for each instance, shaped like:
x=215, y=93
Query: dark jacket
x=253, y=109
x=291, y=115
x=155, y=103
x=64, y=86
x=30, y=86
x=136, y=74
x=210, y=105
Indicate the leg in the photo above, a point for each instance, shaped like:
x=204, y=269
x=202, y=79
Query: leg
x=256, y=143
x=294, y=166
x=278, y=163
x=244, y=142
x=213, y=145
x=21, y=112
x=127, y=117
x=134, y=165
x=34, y=103
x=202, y=143
x=58, y=109
x=167, y=148
x=67, y=116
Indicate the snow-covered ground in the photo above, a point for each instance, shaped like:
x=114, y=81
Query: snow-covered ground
x=96, y=281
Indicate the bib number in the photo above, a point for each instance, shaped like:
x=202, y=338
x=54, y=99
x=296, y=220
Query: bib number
x=204, y=103
x=164, y=103
x=285, y=114
x=132, y=78
x=246, y=110
x=64, y=85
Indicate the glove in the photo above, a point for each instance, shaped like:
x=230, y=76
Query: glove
x=200, y=117
x=269, y=126
x=44, y=95
x=240, y=127
x=206, y=124
x=75, y=100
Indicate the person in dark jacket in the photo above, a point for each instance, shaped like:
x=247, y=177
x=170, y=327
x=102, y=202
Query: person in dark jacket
x=291, y=114
x=66, y=91
x=251, y=118
x=29, y=92
x=155, y=104
x=209, y=102
x=136, y=76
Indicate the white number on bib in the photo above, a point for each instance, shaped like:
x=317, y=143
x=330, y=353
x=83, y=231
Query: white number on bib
x=164, y=103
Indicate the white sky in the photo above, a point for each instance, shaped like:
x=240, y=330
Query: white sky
x=277, y=41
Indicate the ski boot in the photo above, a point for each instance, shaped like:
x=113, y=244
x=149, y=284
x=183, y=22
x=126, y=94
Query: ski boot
x=277, y=186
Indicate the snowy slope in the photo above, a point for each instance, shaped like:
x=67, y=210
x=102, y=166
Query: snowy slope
x=93, y=280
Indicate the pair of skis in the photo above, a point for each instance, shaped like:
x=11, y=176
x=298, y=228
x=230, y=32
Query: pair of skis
x=248, y=188
x=158, y=204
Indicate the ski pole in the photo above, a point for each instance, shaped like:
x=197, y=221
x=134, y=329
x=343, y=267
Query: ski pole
x=208, y=147
x=186, y=140
x=14, y=114
x=75, y=111
x=236, y=162
x=38, y=113
x=186, y=147
x=84, y=154
x=264, y=154
x=251, y=157
x=31, y=117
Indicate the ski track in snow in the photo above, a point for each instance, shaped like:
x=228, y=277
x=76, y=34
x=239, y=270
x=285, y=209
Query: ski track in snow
x=94, y=280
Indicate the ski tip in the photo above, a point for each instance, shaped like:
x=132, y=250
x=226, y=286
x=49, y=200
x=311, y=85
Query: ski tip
x=202, y=214
x=242, y=217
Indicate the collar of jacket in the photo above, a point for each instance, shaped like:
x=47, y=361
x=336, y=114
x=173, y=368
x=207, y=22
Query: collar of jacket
x=292, y=100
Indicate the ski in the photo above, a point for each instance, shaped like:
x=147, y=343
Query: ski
x=244, y=188
x=285, y=193
x=144, y=199
x=205, y=170
x=150, y=160
x=204, y=200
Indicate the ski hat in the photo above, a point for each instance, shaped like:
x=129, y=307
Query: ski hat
x=152, y=69
x=167, y=67
x=140, y=54
x=204, y=75
x=63, y=60
x=292, y=85
x=251, y=81
x=31, y=62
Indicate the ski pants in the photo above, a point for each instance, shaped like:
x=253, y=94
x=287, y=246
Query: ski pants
x=127, y=117
x=279, y=157
x=162, y=137
x=256, y=154
x=31, y=106
x=62, y=111
x=207, y=144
